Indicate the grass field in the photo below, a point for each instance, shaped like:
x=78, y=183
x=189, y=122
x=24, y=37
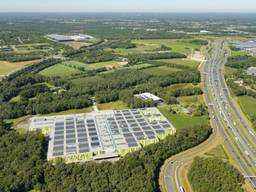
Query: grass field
x=189, y=100
x=183, y=120
x=248, y=105
x=8, y=67
x=149, y=45
x=218, y=152
x=230, y=70
x=182, y=46
x=162, y=70
x=59, y=70
x=117, y=105
x=184, y=62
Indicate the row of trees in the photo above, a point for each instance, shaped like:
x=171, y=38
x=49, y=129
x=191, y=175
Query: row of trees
x=23, y=165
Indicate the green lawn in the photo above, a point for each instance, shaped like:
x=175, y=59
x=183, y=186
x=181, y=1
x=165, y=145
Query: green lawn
x=162, y=70
x=180, y=121
x=117, y=105
x=184, y=62
x=59, y=70
x=248, y=105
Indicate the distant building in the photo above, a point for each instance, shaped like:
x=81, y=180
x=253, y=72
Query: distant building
x=148, y=97
x=251, y=71
x=239, y=82
x=63, y=38
x=204, y=32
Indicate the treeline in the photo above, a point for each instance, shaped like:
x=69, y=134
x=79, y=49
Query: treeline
x=16, y=57
x=136, y=58
x=124, y=44
x=199, y=42
x=24, y=166
x=212, y=174
x=241, y=62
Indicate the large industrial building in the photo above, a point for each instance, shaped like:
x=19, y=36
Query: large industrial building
x=63, y=38
x=102, y=134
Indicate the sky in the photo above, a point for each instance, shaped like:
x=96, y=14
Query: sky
x=128, y=6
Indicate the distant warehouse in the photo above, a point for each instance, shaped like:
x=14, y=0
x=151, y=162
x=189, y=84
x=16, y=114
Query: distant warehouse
x=64, y=38
x=102, y=134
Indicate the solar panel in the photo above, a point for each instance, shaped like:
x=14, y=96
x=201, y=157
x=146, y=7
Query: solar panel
x=57, y=153
x=134, y=144
x=71, y=141
x=83, y=145
x=84, y=150
x=58, y=148
x=58, y=142
x=82, y=140
x=96, y=144
x=156, y=127
x=58, y=137
x=71, y=136
x=160, y=131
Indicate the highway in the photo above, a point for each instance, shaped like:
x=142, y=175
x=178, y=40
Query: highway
x=227, y=120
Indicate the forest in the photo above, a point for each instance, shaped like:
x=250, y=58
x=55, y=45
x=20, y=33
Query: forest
x=24, y=166
x=206, y=174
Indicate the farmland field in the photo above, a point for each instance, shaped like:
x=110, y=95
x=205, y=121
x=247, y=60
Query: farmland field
x=59, y=70
x=8, y=67
x=163, y=70
x=180, y=121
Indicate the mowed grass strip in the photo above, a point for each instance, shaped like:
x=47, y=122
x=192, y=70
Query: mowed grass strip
x=162, y=70
x=180, y=121
x=59, y=70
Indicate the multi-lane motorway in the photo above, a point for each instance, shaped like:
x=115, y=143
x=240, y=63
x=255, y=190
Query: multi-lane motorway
x=227, y=120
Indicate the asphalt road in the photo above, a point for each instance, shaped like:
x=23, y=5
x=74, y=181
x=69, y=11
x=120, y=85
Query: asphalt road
x=239, y=137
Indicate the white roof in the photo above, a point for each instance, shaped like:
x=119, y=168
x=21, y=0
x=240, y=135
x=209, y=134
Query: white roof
x=148, y=96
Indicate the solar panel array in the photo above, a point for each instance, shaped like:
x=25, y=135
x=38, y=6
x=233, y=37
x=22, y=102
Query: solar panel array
x=108, y=131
